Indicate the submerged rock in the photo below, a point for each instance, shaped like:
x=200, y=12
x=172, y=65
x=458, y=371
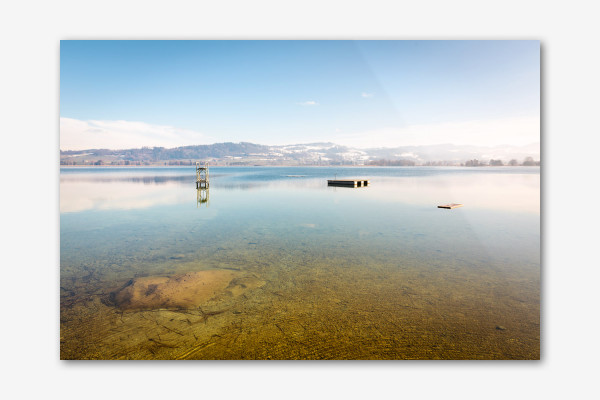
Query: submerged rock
x=181, y=291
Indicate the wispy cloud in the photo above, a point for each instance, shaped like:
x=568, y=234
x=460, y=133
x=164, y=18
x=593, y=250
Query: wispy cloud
x=93, y=134
x=508, y=131
x=367, y=95
x=80, y=196
x=309, y=103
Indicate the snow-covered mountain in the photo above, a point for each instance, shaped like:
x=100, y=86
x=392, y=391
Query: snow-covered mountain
x=331, y=152
x=305, y=154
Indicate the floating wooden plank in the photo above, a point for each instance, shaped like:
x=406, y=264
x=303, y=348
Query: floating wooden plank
x=450, y=206
x=348, y=182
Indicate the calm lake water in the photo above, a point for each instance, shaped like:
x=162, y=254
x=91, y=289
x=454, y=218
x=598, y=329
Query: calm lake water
x=300, y=270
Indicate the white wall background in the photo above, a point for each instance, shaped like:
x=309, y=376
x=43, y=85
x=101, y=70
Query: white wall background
x=29, y=94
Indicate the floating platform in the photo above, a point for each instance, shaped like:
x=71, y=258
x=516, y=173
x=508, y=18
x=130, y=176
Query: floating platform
x=450, y=206
x=348, y=182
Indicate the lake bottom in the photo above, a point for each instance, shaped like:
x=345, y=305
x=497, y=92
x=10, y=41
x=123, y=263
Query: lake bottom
x=330, y=302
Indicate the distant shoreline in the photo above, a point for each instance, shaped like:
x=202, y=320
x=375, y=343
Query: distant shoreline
x=292, y=166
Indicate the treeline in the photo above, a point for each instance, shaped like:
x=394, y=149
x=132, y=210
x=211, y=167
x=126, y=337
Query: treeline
x=124, y=162
x=153, y=154
x=470, y=163
x=392, y=163
x=528, y=162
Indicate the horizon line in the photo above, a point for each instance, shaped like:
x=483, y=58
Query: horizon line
x=306, y=144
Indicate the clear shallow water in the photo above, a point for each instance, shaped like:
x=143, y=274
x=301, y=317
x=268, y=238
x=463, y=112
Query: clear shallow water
x=320, y=272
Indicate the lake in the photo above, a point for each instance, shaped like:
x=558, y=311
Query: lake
x=271, y=263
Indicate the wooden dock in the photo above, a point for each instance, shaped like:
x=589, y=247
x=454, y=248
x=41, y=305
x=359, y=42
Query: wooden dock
x=348, y=182
x=450, y=206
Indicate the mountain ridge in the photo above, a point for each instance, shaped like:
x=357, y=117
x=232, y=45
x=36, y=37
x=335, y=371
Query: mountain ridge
x=316, y=153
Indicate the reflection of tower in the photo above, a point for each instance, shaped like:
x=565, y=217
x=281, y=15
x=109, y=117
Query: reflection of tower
x=202, y=196
x=201, y=175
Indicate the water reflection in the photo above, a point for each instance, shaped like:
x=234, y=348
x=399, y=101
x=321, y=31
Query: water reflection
x=78, y=196
x=146, y=180
x=499, y=189
x=507, y=192
x=202, y=197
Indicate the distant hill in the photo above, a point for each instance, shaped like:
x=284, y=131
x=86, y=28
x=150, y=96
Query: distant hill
x=245, y=153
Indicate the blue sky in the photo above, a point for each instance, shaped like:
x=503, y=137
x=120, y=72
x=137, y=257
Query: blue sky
x=120, y=94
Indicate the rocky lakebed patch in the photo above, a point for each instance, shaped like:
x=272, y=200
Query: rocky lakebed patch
x=189, y=290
